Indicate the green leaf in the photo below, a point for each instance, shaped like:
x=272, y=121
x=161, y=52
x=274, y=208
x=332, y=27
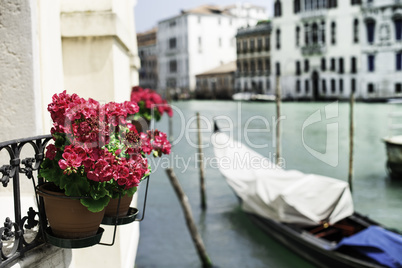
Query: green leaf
x=95, y=205
x=131, y=191
x=98, y=191
x=50, y=172
x=74, y=184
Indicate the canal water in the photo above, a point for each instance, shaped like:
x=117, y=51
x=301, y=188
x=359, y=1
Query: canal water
x=314, y=140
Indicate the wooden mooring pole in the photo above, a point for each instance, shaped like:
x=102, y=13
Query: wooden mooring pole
x=183, y=199
x=351, y=135
x=201, y=164
x=278, y=121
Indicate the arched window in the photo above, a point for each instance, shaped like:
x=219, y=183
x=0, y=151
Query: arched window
x=332, y=3
x=278, y=68
x=306, y=34
x=239, y=69
x=306, y=65
x=298, y=69
x=341, y=65
x=370, y=88
x=398, y=28
x=307, y=4
x=245, y=67
x=277, y=8
x=307, y=86
x=315, y=33
x=322, y=30
x=297, y=36
x=371, y=63
x=370, y=26
x=323, y=64
x=333, y=33
x=259, y=65
x=296, y=6
x=268, y=66
x=333, y=86
x=353, y=85
x=353, y=65
x=356, y=31
x=398, y=61
x=278, y=38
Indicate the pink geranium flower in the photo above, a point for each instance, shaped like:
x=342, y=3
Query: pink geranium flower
x=95, y=143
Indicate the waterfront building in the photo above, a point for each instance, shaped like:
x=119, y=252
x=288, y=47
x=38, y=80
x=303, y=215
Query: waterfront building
x=253, y=59
x=317, y=48
x=198, y=40
x=327, y=49
x=381, y=56
x=217, y=83
x=147, y=52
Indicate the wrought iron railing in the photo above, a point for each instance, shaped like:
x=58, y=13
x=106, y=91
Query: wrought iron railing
x=23, y=233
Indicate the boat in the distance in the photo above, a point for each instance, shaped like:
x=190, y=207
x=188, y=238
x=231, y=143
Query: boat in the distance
x=393, y=145
x=310, y=214
x=248, y=96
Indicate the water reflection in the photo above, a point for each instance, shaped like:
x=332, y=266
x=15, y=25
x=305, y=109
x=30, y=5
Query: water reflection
x=230, y=238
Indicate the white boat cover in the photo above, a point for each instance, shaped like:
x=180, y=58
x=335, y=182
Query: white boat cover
x=287, y=196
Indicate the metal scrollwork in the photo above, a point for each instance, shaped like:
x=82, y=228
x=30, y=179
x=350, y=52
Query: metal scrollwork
x=21, y=234
x=7, y=233
x=31, y=222
x=28, y=170
x=6, y=171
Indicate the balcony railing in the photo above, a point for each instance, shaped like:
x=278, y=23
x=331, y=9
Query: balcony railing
x=24, y=233
x=314, y=49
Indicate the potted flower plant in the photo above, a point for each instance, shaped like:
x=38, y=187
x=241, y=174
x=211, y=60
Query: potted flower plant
x=151, y=106
x=96, y=154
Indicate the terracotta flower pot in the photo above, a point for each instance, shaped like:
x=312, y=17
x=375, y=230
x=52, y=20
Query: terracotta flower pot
x=67, y=217
x=111, y=208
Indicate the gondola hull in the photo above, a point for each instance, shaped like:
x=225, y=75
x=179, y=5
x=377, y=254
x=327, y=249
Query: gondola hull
x=313, y=249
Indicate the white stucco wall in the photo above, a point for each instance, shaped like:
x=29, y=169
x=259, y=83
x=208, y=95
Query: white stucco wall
x=100, y=55
x=87, y=64
x=19, y=115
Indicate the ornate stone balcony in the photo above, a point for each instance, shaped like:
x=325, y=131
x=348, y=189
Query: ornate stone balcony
x=314, y=49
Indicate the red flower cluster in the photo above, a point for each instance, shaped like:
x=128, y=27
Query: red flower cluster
x=160, y=143
x=99, y=143
x=149, y=100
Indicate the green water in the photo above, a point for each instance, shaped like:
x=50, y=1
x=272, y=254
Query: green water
x=230, y=238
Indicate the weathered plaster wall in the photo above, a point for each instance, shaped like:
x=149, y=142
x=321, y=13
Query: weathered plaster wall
x=99, y=48
x=19, y=116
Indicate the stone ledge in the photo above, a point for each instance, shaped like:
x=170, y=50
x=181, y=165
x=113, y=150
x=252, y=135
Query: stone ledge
x=95, y=24
x=45, y=256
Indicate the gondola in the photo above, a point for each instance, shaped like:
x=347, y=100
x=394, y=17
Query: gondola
x=319, y=223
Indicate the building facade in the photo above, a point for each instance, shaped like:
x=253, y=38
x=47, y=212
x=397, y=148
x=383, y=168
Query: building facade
x=147, y=52
x=217, y=83
x=198, y=40
x=327, y=49
x=382, y=49
x=253, y=59
x=315, y=48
